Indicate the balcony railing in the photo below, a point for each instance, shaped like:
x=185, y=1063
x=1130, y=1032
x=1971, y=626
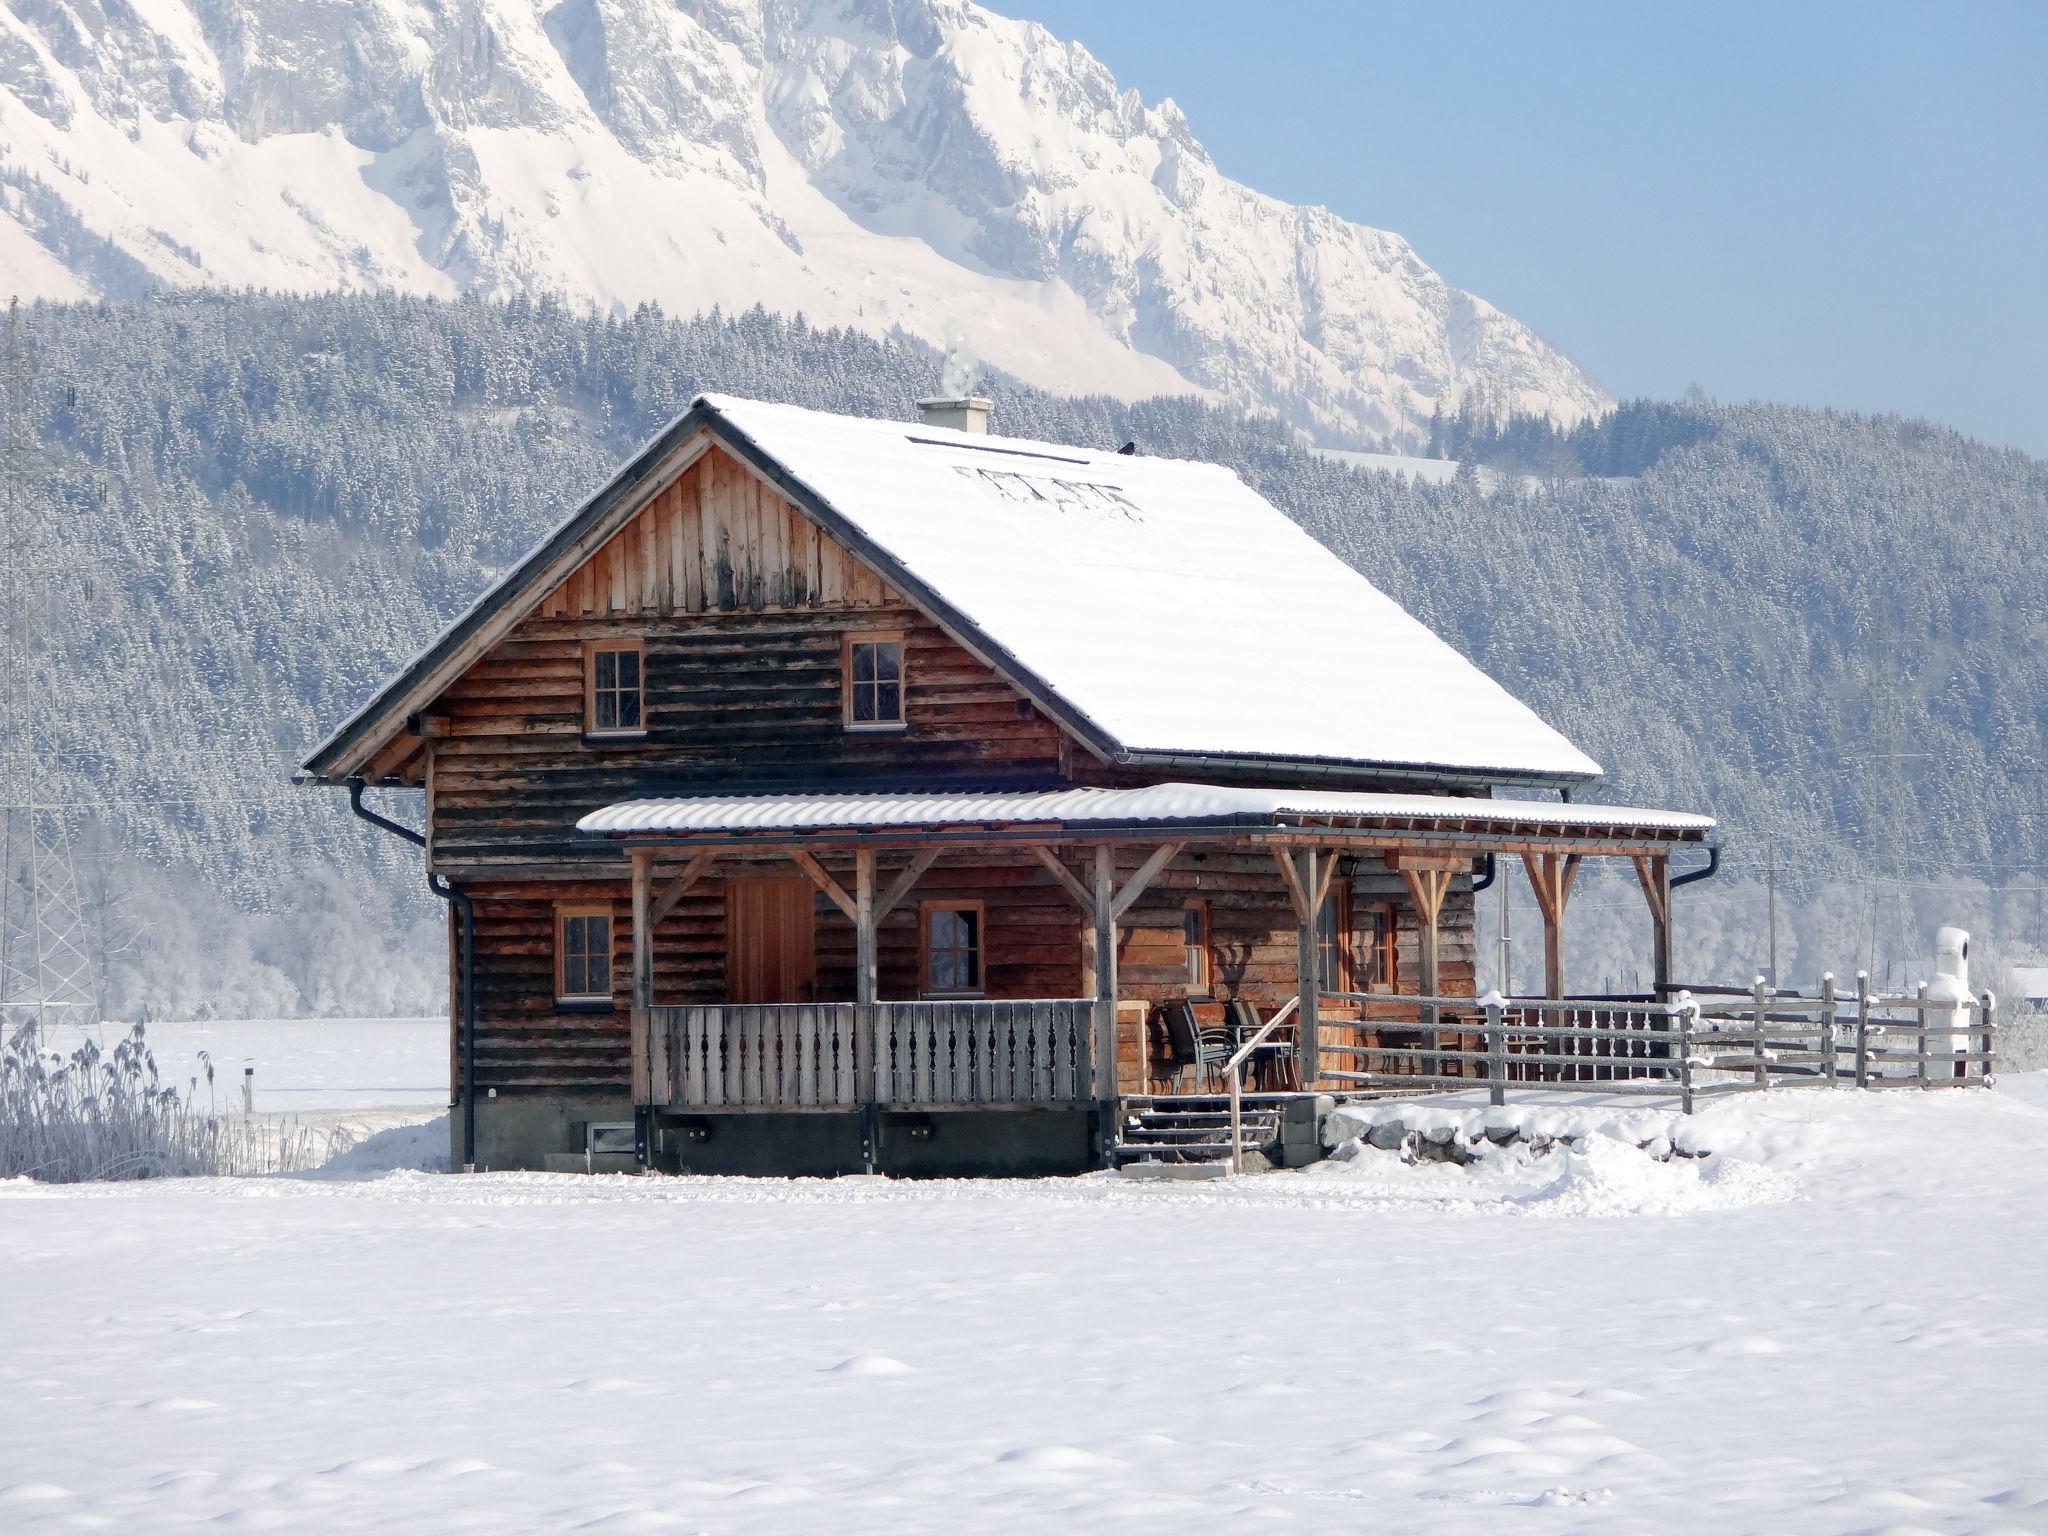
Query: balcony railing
x=844, y=1055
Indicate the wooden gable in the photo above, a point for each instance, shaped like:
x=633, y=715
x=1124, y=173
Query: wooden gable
x=716, y=540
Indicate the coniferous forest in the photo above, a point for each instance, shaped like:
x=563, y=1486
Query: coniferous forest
x=236, y=514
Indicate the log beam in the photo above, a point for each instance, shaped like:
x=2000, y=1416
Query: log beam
x=679, y=887
x=866, y=975
x=834, y=891
x=1551, y=876
x=643, y=978
x=1104, y=1044
x=1141, y=881
x=1056, y=867
x=1653, y=871
x=905, y=882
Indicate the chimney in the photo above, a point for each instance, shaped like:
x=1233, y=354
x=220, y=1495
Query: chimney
x=959, y=413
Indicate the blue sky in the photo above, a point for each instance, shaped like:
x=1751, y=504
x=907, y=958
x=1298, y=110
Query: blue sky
x=1834, y=204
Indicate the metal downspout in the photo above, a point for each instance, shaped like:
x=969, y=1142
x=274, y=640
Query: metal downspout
x=465, y=916
x=1704, y=873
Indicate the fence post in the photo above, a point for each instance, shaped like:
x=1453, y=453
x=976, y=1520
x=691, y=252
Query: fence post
x=1763, y=1076
x=1827, y=1027
x=1685, y=1014
x=1984, y=1072
x=1496, y=1048
x=1863, y=1029
x=1920, y=1009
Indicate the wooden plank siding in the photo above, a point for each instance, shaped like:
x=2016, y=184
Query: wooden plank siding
x=743, y=605
x=1032, y=947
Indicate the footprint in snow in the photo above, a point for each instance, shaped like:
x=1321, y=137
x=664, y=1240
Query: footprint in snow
x=1736, y=1345
x=32, y=1493
x=870, y=1365
x=1056, y=1458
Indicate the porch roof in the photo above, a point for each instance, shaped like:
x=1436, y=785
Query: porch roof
x=1156, y=807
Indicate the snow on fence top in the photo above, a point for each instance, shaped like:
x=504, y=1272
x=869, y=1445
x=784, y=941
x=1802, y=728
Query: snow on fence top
x=1164, y=601
x=1160, y=803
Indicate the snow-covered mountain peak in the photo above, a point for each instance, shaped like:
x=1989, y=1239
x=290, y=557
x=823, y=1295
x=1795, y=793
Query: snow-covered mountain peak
x=923, y=166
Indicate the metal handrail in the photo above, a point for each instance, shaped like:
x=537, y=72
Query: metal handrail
x=1235, y=1067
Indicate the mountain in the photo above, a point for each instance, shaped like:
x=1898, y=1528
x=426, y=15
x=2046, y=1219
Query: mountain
x=1824, y=629
x=921, y=167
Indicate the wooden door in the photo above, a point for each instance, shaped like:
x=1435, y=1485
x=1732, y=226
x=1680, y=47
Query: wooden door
x=771, y=949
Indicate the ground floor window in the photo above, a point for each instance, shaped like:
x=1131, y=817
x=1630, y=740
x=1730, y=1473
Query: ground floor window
x=952, y=935
x=583, y=954
x=1377, y=929
x=1333, y=941
x=1194, y=929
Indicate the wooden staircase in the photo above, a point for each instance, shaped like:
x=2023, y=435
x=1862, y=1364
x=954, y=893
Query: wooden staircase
x=1194, y=1127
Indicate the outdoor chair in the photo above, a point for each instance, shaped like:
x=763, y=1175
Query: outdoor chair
x=1192, y=1045
x=1272, y=1063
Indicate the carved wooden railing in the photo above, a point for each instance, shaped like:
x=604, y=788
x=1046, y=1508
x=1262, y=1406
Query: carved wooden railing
x=844, y=1055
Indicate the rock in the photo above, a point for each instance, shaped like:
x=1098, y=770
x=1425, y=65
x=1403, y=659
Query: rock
x=1388, y=1135
x=1347, y=1122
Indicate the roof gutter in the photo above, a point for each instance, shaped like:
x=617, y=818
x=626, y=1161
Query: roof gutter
x=1706, y=872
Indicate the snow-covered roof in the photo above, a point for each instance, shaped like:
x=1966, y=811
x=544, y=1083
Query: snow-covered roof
x=1162, y=804
x=1163, y=601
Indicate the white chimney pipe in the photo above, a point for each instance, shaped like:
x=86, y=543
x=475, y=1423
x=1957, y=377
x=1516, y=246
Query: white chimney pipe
x=958, y=413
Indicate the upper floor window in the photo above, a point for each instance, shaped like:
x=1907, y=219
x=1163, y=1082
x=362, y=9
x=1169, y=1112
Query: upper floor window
x=952, y=948
x=614, y=691
x=874, y=681
x=583, y=954
x=1194, y=932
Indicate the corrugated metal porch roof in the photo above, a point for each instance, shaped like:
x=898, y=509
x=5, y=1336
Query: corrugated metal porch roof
x=1164, y=805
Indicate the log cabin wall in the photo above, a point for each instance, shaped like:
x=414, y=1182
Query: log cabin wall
x=743, y=606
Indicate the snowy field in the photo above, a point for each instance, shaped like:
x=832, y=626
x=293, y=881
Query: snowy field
x=1835, y=1323
x=301, y=1064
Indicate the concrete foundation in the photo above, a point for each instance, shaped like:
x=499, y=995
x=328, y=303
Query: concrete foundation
x=548, y=1134
x=527, y=1132
x=983, y=1143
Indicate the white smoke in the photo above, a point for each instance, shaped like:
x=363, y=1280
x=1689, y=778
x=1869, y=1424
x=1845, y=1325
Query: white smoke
x=956, y=375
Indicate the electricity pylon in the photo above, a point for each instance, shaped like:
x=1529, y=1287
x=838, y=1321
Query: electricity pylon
x=47, y=970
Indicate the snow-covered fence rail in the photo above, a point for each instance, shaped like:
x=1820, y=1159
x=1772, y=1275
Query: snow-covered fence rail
x=844, y=1055
x=1692, y=1047
x=1629, y=1046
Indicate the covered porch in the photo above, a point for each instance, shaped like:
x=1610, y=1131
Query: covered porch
x=1098, y=927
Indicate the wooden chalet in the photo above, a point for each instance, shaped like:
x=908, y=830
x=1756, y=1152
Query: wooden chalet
x=829, y=795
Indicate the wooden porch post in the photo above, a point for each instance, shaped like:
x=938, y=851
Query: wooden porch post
x=643, y=977
x=1309, y=976
x=866, y=980
x=1551, y=876
x=1306, y=888
x=1103, y=1047
x=1653, y=870
x=1428, y=879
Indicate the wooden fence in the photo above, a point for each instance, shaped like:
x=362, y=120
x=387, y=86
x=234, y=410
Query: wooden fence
x=1697, y=1045
x=844, y=1055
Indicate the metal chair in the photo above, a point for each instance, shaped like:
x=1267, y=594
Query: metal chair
x=1191, y=1044
x=1272, y=1063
